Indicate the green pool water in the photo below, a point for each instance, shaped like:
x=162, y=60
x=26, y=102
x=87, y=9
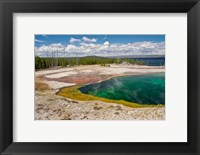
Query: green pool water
x=142, y=89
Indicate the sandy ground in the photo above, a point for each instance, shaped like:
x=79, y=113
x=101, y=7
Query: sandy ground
x=49, y=106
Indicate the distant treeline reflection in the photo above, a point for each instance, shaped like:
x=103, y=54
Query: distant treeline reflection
x=42, y=63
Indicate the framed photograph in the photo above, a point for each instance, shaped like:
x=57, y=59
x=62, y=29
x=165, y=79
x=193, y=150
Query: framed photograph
x=104, y=77
x=91, y=71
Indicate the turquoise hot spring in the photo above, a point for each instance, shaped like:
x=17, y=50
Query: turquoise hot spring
x=142, y=89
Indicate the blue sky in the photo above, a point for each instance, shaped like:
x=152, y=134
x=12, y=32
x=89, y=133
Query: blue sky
x=100, y=45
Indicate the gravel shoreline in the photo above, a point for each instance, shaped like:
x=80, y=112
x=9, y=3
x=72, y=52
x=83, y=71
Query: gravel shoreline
x=52, y=107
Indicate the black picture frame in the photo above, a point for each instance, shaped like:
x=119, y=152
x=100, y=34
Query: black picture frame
x=8, y=7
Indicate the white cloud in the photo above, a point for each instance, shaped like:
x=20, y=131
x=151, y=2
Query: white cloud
x=105, y=49
x=106, y=43
x=50, y=48
x=40, y=41
x=72, y=40
x=86, y=39
x=71, y=48
x=45, y=36
x=105, y=37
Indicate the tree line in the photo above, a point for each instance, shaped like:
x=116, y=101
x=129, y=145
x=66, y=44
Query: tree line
x=42, y=63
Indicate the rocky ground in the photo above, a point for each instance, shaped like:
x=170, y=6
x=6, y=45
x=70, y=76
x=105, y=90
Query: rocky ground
x=49, y=106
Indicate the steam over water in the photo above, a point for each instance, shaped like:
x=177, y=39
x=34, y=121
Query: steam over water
x=142, y=89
